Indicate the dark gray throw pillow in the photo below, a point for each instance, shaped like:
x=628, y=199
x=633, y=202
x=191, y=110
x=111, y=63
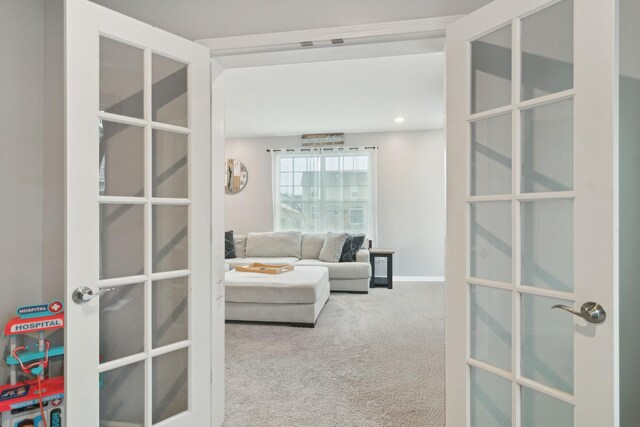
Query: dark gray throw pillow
x=229, y=247
x=351, y=247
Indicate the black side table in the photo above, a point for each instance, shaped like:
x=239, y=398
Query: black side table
x=381, y=253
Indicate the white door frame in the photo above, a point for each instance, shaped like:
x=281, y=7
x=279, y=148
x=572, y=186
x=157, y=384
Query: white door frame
x=352, y=34
x=217, y=245
x=427, y=28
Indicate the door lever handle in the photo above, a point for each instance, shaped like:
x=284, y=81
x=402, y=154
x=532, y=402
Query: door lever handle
x=84, y=294
x=592, y=312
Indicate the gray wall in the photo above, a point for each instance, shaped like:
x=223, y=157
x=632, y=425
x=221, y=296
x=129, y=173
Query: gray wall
x=411, y=194
x=629, y=213
x=31, y=214
x=53, y=152
x=21, y=121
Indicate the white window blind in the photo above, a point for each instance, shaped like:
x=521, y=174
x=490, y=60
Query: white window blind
x=316, y=190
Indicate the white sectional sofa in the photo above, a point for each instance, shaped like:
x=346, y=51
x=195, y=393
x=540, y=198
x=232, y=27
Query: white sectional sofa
x=302, y=249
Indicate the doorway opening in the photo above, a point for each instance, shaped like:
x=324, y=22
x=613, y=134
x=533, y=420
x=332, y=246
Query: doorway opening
x=366, y=347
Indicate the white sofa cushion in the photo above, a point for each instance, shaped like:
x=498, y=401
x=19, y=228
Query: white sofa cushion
x=274, y=244
x=303, y=285
x=362, y=255
x=312, y=244
x=341, y=270
x=234, y=262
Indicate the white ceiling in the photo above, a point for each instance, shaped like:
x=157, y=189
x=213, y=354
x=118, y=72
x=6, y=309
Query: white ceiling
x=201, y=19
x=355, y=95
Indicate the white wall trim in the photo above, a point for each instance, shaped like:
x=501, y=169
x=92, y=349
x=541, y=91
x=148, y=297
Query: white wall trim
x=418, y=278
x=426, y=27
x=218, y=389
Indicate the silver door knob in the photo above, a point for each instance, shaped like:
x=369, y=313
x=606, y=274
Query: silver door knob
x=592, y=312
x=85, y=293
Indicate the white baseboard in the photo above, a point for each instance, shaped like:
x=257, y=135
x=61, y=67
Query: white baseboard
x=418, y=278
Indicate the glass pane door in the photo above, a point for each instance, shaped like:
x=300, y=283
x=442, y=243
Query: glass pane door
x=144, y=196
x=520, y=222
x=138, y=225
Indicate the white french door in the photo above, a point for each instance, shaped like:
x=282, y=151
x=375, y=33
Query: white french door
x=531, y=164
x=138, y=225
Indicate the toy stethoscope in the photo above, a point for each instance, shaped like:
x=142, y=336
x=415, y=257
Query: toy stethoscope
x=35, y=368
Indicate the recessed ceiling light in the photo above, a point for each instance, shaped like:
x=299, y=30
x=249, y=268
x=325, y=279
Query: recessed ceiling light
x=399, y=119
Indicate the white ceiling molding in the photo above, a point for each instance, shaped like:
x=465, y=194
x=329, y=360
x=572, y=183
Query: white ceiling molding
x=366, y=33
x=333, y=53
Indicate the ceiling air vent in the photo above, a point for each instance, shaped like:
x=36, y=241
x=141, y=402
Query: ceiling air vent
x=306, y=44
x=337, y=41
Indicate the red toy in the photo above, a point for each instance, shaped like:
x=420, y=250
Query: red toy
x=25, y=401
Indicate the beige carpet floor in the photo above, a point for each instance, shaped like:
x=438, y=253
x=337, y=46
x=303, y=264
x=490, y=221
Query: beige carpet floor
x=371, y=360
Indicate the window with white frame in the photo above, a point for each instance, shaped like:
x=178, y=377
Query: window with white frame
x=318, y=191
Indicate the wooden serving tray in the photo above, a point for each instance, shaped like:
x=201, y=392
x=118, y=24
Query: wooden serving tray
x=257, y=267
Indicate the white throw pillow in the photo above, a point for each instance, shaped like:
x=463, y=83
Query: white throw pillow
x=240, y=243
x=332, y=248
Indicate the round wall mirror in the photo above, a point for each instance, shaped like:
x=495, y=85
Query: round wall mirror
x=236, y=176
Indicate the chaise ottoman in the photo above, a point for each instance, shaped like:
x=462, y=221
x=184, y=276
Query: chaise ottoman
x=294, y=297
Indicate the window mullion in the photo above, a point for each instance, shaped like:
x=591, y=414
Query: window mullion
x=321, y=191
